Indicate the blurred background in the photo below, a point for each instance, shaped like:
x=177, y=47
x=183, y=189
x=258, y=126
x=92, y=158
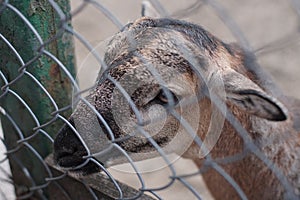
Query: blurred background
x=271, y=28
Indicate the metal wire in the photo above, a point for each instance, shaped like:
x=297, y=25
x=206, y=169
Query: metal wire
x=25, y=139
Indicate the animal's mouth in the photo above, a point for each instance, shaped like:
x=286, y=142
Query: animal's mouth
x=74, y=162
x=144, y=145
x=68, y=160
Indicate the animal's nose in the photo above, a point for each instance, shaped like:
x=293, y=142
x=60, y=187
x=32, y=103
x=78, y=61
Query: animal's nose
x=68, y=150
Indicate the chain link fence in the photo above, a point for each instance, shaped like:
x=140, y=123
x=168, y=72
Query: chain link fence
x=40, y=88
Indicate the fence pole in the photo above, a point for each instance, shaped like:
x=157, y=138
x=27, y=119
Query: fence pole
x=47, y=23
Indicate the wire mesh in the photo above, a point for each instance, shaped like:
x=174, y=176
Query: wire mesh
x=106, y=148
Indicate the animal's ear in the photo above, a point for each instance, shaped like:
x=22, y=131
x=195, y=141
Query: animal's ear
x=248, y=96
x=148, y=10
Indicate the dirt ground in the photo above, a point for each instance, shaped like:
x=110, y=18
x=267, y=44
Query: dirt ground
x=269, y=26
x=264, y=23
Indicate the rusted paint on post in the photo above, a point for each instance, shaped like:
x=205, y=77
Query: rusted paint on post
x=47, y=23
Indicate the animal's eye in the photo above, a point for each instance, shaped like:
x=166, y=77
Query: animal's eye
x=163, y=98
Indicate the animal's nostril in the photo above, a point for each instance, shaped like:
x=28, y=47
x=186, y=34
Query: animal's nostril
x=69, y=156
x=66, y=151
x=69, y=151
x=72, y=157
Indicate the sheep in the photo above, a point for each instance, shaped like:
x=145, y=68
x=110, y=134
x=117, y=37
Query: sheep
x=170, y=66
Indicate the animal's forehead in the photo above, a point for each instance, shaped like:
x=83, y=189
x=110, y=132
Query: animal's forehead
x=158, y=50
x=140, y=45
x=194, y=33
x=160, y=42
x=151, y=71
x=150, y=58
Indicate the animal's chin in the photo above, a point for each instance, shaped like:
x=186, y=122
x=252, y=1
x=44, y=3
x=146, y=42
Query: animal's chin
x=89, y=168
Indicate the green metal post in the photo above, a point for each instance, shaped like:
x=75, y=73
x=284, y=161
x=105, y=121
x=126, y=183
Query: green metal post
x=47, y=23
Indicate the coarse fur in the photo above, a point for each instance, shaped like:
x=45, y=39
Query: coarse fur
x=272, y=120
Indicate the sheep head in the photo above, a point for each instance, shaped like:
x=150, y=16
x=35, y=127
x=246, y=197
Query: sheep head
x=159, y=73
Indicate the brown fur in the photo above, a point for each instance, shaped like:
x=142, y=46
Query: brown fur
x=270, y=119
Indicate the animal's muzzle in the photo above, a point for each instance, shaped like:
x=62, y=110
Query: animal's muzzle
x=69, y=151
